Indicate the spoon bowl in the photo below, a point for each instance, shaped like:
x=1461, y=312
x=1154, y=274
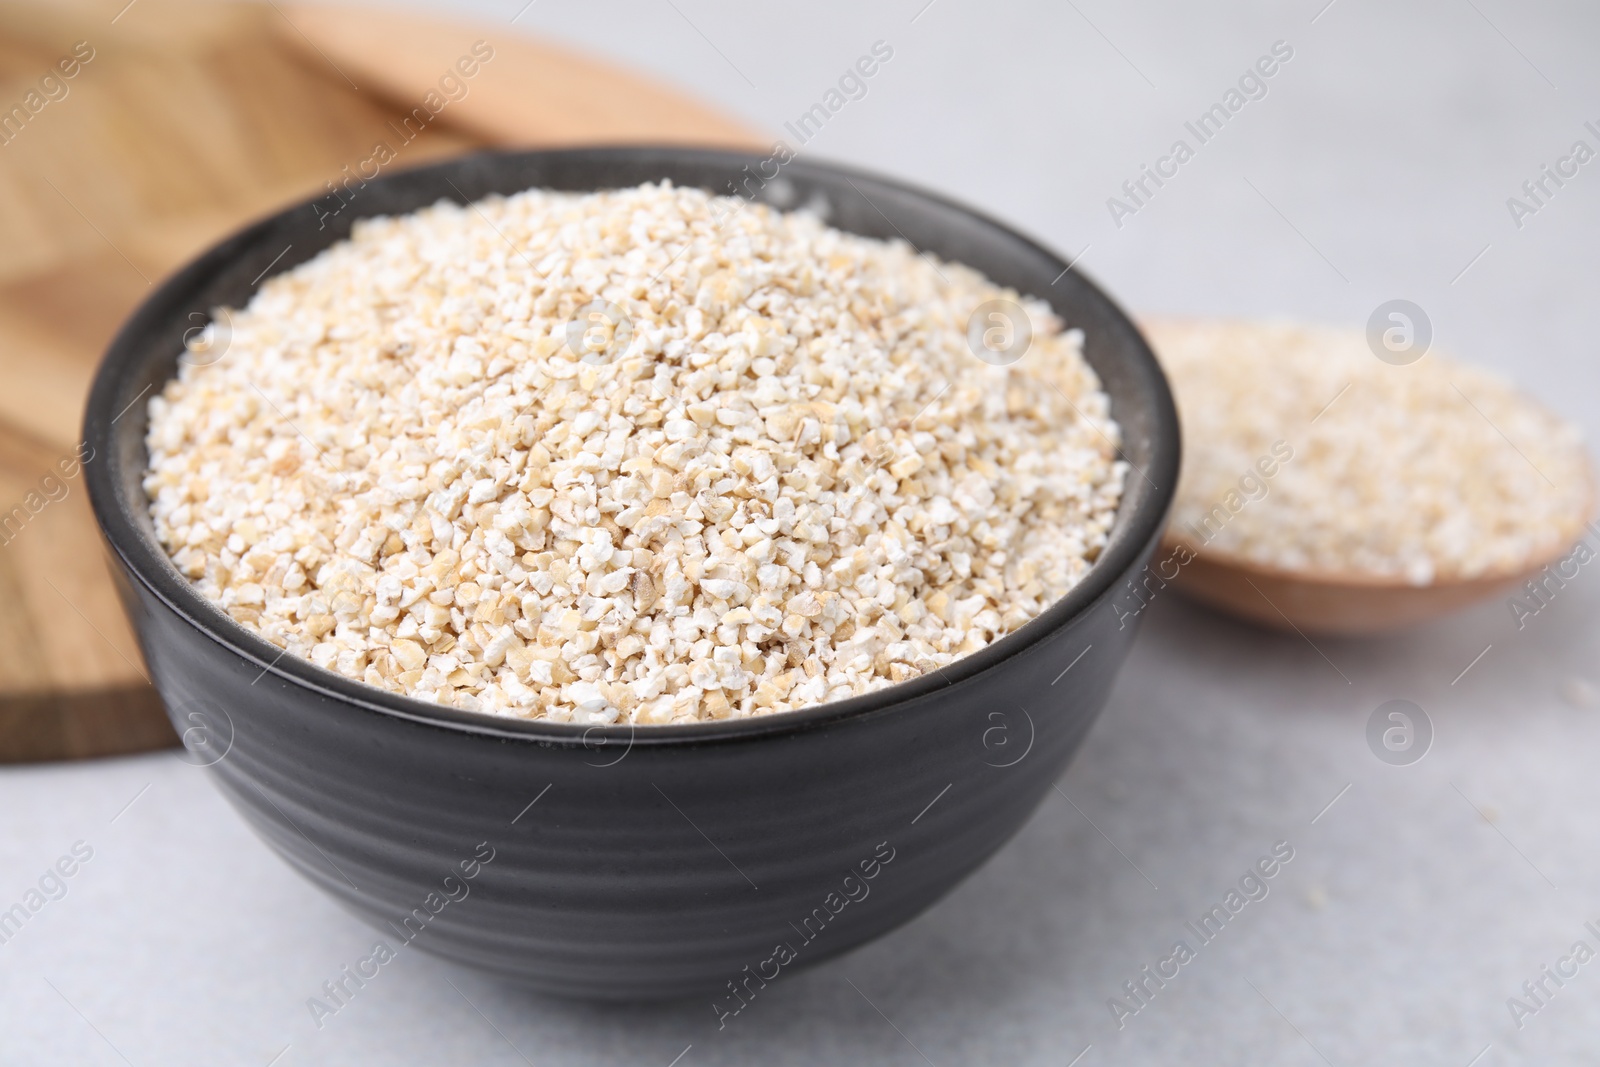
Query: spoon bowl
x=1332, y=603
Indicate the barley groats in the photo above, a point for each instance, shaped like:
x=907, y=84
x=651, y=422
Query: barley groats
x=1429, y=472
x=763, y=470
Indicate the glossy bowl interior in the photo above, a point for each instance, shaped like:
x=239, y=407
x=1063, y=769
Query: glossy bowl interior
x=620, y=862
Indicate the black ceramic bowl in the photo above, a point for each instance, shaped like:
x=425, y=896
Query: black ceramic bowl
x=616, y=862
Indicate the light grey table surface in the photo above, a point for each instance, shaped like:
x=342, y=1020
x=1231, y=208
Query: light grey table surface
x=1377, y=166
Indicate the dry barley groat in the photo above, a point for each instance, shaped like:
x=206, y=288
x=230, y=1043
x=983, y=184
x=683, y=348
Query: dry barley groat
x=764, y=470
x=1419, y=473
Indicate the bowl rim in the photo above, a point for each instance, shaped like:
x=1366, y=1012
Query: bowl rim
x=144, y=559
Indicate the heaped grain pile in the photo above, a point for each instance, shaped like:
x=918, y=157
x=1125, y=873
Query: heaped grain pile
x=783, y=479
x=1417, y=473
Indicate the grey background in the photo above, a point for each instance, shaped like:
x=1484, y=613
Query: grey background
x=1381, y=161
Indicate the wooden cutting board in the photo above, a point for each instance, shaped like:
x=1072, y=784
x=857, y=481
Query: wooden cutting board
x=185, y=121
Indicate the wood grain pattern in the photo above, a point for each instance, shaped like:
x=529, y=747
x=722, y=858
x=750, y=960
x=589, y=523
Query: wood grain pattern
x=189, y=120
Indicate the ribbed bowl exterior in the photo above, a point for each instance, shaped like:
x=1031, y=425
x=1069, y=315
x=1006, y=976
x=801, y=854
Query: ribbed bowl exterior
x=645, y=871
x=618, y=863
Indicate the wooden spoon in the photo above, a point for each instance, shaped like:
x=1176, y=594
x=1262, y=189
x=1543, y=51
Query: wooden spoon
x=1324, y=602
x=1222, y=366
